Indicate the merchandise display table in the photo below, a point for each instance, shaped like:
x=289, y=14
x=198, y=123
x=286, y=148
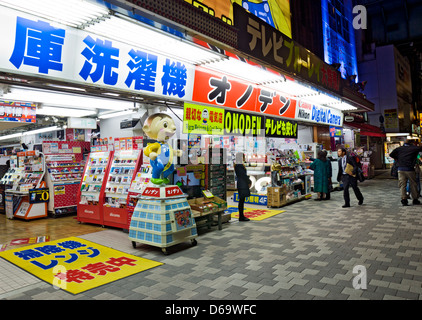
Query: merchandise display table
x=209, y=217
x=162, y=218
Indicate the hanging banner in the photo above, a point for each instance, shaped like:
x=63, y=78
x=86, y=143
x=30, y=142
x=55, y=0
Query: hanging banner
x=203, y=119
x=15, y=111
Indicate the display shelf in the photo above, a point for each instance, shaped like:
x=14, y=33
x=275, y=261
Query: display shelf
x=19, y=203
x=215, y=173
x=123, y=170
x=65, y=167
x=90, y=197
x=138, y=184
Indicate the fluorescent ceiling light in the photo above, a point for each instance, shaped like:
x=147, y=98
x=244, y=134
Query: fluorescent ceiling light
x=321, y=98
x=243, y=70
x=42, y=130
x=65, y=99
x=143, y=37
x=10, y=136
x=65, y=112
x=116, y=114
x=343, y=106
x=73, y=13
x=27, y=133
x=292, y=88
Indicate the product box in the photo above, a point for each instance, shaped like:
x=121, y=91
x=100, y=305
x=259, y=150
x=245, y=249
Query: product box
x=276, y=191
x=207, y=205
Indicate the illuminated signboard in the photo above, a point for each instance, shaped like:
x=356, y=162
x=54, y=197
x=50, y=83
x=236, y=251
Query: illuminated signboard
x=274, y=12
x=339, y=38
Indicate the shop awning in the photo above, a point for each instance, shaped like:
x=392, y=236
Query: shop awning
x=366, y=129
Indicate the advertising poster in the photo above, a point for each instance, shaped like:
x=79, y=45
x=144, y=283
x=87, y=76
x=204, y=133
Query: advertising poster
x=14, y=111
x=274, y=12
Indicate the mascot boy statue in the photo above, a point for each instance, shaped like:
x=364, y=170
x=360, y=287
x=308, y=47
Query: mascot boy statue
x=160, y=127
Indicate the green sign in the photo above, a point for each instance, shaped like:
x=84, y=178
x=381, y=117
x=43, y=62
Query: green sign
x=203, y=119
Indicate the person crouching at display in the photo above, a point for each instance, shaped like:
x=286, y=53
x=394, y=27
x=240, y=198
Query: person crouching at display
x=243, y=184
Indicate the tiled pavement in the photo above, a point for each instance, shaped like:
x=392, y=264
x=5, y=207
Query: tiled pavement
x=307, y=252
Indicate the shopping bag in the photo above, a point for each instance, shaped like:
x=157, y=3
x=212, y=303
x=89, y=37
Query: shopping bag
x=394, y=170
x=349, y=170
x=360, y=175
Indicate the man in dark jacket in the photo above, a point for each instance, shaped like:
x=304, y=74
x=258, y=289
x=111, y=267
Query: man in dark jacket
x=243, y=184
x=347, y=179
x=405, y=157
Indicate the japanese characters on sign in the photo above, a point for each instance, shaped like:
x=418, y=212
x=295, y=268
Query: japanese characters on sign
x=39, y=48
x=253, y=199
x=151, y=192
x=173, y=191
x=280, y=128
x=75, y=264
x=225, y=91
x=244, y=124
x=13, y=111
x=262, y=41
x=202, y=120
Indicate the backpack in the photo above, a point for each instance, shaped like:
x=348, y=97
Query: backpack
x=357, y=159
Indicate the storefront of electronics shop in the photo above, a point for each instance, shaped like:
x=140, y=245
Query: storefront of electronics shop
x=223, y=105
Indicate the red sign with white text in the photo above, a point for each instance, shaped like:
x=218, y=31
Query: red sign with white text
x=151, y=192
x=222, y=90
x=173, y=191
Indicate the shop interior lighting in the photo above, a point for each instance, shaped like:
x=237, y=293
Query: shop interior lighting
x=291, y=87
x=243, y=70
x=65, y=100
x=116, y=114
x=321, y=98
x=130, y=31
x=27, y=133
x=65, y=112
x=73, y=13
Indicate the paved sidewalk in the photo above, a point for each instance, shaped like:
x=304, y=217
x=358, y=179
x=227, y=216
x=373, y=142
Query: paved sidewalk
x=307, y=252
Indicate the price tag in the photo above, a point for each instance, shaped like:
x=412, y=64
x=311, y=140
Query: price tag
x=207, y=194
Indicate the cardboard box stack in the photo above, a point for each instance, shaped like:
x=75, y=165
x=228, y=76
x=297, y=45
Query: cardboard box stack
x=276, y=196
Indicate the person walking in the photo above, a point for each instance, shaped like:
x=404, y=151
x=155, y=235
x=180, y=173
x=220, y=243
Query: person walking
x=406, y=157
x=348, y=177
x=243, y=184
x=330, y=174
x=321, y=172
